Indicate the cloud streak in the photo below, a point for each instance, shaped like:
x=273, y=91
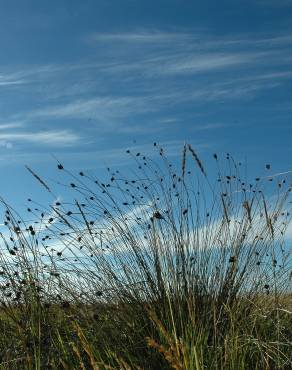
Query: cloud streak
x=136, y=78
x=53, y=137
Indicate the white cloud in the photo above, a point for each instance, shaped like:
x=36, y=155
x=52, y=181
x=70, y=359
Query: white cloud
x=124, y=81
x=5, y=144
x=107, y=157
x=84, y=108
x=198, y=37
x=140, y=37
x=5, y=126
x=10, y=80
x=206, y=62
x=101, y=109
x=56, y=137
x=175, y=63
x=11, y=83
x=210, y=126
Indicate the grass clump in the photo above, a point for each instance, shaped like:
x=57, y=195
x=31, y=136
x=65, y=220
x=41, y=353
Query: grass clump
x=163, y=268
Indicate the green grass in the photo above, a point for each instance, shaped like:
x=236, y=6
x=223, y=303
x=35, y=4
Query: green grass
x=165, y=268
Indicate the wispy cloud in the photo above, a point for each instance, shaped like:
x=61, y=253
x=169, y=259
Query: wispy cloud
x=197, y=37
x=6, y=144
x=178, y=55
x=138, y=77
x=11, y=83
x=104, y=109
x=10, y=125
x=99, y=107
x=171, y=62
x=113, y=156
x=53, y=137
x=207, y=62
x=209, y=126
x=140, y=37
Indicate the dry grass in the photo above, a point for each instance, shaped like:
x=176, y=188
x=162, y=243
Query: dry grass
x=163, y=268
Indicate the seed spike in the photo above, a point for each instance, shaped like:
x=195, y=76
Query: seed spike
x=199, y=163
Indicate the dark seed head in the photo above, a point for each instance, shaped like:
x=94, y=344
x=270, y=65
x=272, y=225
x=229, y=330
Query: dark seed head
x=158, y=215
x=65, y=304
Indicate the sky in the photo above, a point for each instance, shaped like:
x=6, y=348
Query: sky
x=82, y=81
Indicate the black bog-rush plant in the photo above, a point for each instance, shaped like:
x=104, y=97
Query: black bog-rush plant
x=165, y=267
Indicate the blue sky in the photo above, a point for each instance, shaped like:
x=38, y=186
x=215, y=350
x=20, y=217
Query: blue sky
x=85, y=80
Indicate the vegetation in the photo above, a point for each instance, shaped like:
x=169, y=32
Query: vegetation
x=162, y=268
